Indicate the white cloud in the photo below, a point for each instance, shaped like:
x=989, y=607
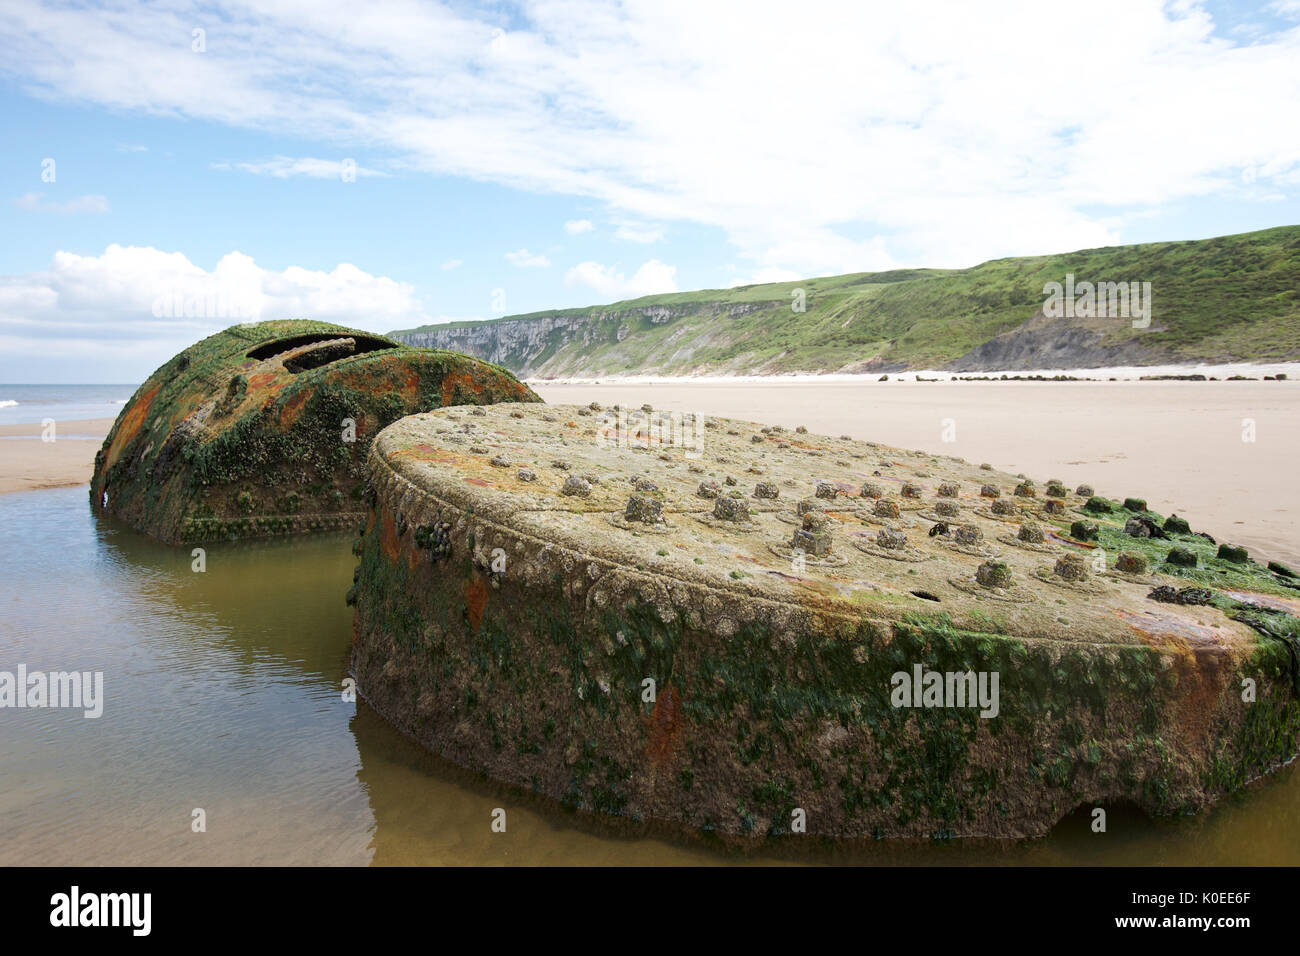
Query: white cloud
x=132, y=148
x=831, y=140
x=635, y=232
x=651, y=278
x=452, y=264
x=283, y=167
x=35, y=202
x=527, y=260
x=813, y=251
x=143, y=304
x=576, y=226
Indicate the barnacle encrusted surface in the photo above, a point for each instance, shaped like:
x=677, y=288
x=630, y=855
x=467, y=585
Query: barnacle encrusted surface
x=718, y=678
x=246, y=433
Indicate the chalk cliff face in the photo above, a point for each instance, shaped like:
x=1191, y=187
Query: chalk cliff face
x=520, y=343
x=1214, y=300
x=577, y=341
x=561, y=345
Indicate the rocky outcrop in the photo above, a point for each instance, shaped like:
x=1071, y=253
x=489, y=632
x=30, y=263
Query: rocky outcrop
x=524, y=344
x=1038, y=345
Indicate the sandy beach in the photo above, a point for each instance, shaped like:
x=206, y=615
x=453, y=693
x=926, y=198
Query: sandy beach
x=1177, y=444
x=28, y=463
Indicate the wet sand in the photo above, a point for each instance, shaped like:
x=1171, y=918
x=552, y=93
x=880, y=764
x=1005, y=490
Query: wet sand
x=28, y=463
x=259, y=646
x=1179, y=445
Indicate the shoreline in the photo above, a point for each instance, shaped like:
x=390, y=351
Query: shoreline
x=1247, y=371
x=1182, y=441
x=29, y=464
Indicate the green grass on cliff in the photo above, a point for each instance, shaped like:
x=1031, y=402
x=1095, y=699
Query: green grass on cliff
x=1232, y=298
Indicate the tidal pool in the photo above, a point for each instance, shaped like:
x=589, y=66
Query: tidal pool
x=223, y=692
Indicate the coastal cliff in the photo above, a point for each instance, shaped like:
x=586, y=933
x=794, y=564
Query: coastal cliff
x=1228, y=299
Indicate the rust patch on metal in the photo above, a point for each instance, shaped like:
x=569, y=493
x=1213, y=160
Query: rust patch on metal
x=475, y=601
x=411, y=386
x=1203, y=676
x=1200, y=662
x=429, y=453
x=665, y=726
x=456, y=380
x=130, y=425
x=388, y=542
x=292, y=408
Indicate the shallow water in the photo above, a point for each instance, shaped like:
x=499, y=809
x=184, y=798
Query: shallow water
x=223, y=692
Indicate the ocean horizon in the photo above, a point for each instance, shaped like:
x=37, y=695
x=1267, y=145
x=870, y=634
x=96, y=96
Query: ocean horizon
x=29, y=404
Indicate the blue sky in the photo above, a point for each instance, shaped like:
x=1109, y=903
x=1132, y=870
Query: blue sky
x=518, y=157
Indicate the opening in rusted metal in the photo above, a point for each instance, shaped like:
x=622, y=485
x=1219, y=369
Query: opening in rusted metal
x=362, y=343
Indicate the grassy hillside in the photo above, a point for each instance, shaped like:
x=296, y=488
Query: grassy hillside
x=1229, y=298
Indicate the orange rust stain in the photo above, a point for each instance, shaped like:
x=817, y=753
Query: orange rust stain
x=475, y=601
x=426, y=453
x=664, y=727
x=453, y=381
x=1200, y=663
x=388, y=537
x=130, y=426
x=383, y=376
x=408, y=385
x=1201, y=681
x=411, y=384
x=292, y=408
x=478, y=482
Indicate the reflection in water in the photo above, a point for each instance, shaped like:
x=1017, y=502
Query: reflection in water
x=223, y=692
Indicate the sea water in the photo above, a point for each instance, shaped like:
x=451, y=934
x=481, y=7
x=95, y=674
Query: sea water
x=227, y=736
